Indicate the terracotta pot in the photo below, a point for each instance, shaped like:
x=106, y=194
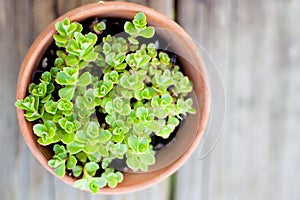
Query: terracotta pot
x=169, y=160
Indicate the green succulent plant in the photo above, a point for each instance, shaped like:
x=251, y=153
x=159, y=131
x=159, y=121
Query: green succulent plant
x=141, y=93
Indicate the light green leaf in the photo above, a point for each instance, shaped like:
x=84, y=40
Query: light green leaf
x=139, y=20
x=104, y=136
x=64, y=105
x=60, y=40
x=84, y=79
x=66, y=92
x=120, y=66
x=109, y=108
x=77, y=170
x=133, y=40
x=90, y=56
x=32, y=116
x=133, y=142
x=148, y=32
x=81, y=184
x=112, y=181
x=148, y=93
x=93, y=130
x=46, y=77
x=126, y=109
x=94, y=157
x=60, y=170
x=94, y=188
x=143, y=60
x=59, y=149
x=67, y=138
x=53, y=163
x=164, y=57
x=71, y=60
x=81, y=156
x=106, y=48
x=118, y=150
x=143, y=145
x=103, y=151
x=118, y=138
x=110, y=119
x=99, y=27
x=75, y=147
x=39, y=90
x=102, y=89
x=51, y=107
x=91, y=168
x=129, y=28
x=166, y=131
x=133, y=162
x=154, y=125
x=30, y=103
x=50, y=88
x=147, y=158
x=101, y=182
x=142, y=113
x=64, y=79
x=72, y=161
x=173, y=121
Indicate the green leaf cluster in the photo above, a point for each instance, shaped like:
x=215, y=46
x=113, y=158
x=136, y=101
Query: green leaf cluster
x=99, y=27
x=66, y=31
x=88, y=181
x=63, y=160
x=141, y=93
x=138, y=27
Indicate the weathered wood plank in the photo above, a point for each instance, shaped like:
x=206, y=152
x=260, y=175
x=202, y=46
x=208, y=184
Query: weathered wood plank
x=208, y=22
x=41, y=20
x=16, y=169
x=61, y=6
x=167, y=7
x=258, y=54
x=269, y=99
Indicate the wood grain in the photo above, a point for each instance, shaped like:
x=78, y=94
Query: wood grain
x=256, y=46
x=15, y=39
x=209, y=23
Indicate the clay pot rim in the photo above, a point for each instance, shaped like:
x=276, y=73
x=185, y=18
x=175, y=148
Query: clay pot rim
x=42, y=42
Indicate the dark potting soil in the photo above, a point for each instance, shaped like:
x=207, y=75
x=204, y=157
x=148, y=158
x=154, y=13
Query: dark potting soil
x=114, y=26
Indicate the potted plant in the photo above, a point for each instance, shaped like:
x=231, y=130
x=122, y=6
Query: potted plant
x=99, y=110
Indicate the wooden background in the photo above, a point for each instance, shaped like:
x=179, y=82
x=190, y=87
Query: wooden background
x=256, y=45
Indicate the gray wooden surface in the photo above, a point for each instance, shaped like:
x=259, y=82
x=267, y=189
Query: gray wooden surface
x=256, y=45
